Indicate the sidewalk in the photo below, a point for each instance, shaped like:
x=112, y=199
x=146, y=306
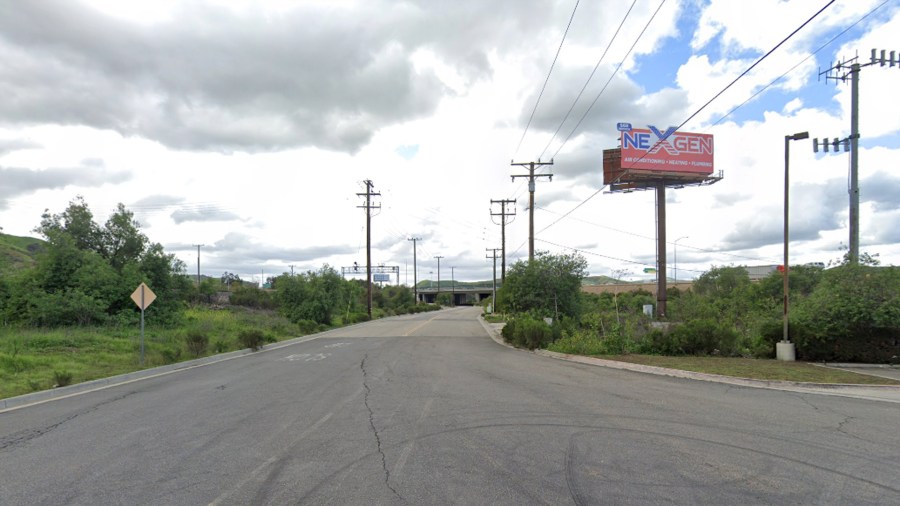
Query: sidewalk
x=884, y=393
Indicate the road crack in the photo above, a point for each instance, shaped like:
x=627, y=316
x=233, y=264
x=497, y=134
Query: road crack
x=24, y=436
x=387, y=472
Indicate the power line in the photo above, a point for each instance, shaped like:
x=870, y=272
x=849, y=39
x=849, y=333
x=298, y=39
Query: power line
x=591, y=76
x=618, y=67
x=695, y=113
x=801, y=62
x=696, y=248
x=610, y=257
x=761, y=58
x=541, y=94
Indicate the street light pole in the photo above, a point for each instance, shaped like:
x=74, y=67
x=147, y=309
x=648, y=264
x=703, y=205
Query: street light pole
x=785, y=349
x=676, y=256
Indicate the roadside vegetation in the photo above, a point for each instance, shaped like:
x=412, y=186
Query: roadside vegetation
x=66, y=315
x=843, y=313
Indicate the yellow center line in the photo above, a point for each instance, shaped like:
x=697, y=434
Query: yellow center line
x=417, y=327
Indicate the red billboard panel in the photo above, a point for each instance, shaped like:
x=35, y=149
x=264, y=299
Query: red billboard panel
x=669, y=151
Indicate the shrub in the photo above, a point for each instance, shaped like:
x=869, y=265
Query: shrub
x=579, y=342
x=220, y=346
x=528, y=332
x=357, y=318
x=307, y=326
x=704, y=337
x=171, y=355
x=852, y=315
x=62, y=377
x=252, y=338
x=197, y=342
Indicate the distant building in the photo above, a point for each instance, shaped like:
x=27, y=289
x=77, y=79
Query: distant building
x=757, y=272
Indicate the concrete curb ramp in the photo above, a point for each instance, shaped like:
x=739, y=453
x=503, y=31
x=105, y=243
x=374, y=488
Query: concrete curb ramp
x=884, y=393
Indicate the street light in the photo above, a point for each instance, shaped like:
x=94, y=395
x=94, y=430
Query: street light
x=676, y=257
x=785, y=349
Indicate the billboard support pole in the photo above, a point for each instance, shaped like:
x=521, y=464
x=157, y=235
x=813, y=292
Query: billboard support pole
x=661, y=249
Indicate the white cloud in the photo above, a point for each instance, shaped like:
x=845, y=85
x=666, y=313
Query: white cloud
x=247, y=128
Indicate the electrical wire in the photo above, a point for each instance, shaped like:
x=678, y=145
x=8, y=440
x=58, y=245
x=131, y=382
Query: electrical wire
x=801, y=62
x=616, y=71
x=591, y=76
x=517, y=192
x=697, y=111
x=547, y=79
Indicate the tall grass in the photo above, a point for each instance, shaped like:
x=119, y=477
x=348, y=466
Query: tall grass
x=33, y=359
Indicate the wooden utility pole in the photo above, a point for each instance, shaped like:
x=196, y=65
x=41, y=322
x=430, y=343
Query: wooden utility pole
x=494, y=256
x=439, y=257
x=531, y=179
x=198, y=270
x=415, y=278
x=368, y=207
x=504, y=213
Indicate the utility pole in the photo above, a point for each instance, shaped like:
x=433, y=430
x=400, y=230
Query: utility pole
x=292, y=270
x=452, y=286
x=415, y=270
x=841, y=71
x=531, y=178
x=439, y=257
x=368, y=207
x=503, y=215
x=494, y=256
x=198, y=267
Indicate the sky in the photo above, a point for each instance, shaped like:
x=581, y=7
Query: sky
x=250, y=127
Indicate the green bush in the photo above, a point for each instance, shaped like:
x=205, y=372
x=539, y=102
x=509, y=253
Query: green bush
x=252, y=338
x=197, y=342
x=528, y=332
x=307, y=327
x=170, y=355
x=580, y=342
x=62, y=377
x=852, y=315
x=357, y=318
x=220, y=346
x=704, y=337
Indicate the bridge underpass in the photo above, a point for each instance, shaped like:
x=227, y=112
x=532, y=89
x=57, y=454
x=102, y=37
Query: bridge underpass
x=461, y=295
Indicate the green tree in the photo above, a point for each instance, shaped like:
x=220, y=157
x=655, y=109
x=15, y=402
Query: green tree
x=549, y=285
x=853, y=315
x=315, y=295
x=87, y=272
x=121, y=240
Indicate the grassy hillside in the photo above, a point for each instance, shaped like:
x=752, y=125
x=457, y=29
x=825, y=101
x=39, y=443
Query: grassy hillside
x=18, y=252
x=600, y=280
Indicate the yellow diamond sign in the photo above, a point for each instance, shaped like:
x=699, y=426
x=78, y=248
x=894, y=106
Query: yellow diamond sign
x=143, y=296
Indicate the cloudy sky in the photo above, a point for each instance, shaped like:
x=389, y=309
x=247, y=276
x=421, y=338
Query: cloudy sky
x=248, y=127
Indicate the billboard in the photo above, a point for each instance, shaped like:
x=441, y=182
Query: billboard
x=669, y=151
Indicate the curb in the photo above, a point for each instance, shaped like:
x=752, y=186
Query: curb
x=35, y=398
x=32, y=399
x=884, y=393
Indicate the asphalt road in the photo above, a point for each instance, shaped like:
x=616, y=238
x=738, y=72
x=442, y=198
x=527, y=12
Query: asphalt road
x=427, y=409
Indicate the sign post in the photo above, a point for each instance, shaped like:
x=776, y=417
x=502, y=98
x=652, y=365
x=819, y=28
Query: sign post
x=143, y=296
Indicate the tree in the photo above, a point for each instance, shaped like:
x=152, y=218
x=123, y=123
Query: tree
x=852, y=315
x=549, y=285
x=121, y=241
x=229, y=278
x=87, y=272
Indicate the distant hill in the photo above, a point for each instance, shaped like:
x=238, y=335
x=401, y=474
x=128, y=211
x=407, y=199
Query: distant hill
x=600, y=280
x=18, y=253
